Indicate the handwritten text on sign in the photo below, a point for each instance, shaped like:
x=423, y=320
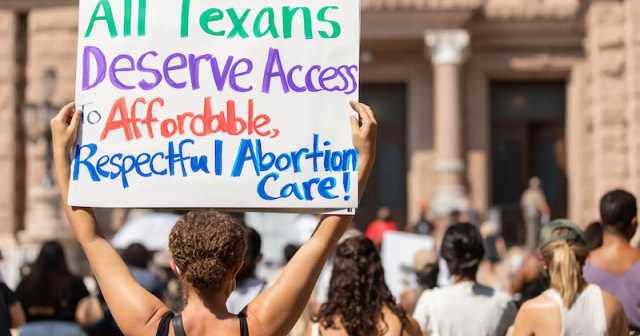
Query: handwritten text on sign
x=221, y=103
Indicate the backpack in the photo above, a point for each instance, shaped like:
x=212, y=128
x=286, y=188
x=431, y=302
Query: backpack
x=5, y=324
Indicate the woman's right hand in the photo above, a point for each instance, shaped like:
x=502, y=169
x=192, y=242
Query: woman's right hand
x=364, y=137
x=64, y=130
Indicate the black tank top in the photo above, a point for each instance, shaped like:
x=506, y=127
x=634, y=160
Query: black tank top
x=178, y=328
x=533, y=289
x=106, y=327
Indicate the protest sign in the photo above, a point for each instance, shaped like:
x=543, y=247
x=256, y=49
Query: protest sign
x=397, y=254
x=216, y=103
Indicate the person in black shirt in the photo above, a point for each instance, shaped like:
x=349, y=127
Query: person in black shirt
x=423, y=226
x=94, y=317
x=50, y=292
x=12, y=308
x=529, y=281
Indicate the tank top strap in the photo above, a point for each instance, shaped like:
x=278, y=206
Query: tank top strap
x=165, y=321
x=163, y=326
x=244, y=328
x=595, y=299
x=554, y=296
x=178, y=326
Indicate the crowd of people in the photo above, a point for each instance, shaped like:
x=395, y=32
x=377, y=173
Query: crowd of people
x=570, y=282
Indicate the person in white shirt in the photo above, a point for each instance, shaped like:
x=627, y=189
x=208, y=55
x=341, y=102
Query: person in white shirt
x=248, y=285
x=464, y=308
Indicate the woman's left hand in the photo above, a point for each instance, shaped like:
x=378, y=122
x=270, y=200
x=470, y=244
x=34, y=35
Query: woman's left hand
x=64, y=129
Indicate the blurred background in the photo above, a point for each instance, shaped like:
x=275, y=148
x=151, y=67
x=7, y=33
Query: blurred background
x=473, y=98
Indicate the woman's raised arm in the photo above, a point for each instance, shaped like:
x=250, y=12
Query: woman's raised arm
x=135, y=310
x=276, y=311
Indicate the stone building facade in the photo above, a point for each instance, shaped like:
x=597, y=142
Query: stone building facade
x=474, y=97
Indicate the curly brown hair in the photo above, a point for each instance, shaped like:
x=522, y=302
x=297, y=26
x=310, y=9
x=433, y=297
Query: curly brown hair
x=206, y=246
x=357, y=291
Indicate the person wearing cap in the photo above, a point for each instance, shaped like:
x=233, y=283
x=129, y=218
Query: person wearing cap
x=465, y=307
x=426, y=268
x=571, y=306
x=615, y=266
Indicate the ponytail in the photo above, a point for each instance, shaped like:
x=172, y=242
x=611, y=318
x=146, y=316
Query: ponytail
x=566, y=259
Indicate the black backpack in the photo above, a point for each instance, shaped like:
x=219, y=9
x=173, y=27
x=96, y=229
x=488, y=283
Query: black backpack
x=5, y=324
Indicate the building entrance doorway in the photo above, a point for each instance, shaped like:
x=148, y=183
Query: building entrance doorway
x=528, y=120
x=387, y=184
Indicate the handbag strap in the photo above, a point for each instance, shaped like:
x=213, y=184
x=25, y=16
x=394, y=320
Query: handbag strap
x=163, y=326
x=178, y=326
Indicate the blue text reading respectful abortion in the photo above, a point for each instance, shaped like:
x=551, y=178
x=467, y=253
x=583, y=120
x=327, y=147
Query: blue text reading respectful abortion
x=167, y=163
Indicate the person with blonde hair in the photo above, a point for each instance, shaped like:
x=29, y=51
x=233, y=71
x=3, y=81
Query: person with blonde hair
x=571, y=306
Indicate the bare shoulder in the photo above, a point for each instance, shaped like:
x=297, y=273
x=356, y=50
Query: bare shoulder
x=612, y=306
x=412, y=327
x=539, y=306
x=614, y=315
x=538, y=316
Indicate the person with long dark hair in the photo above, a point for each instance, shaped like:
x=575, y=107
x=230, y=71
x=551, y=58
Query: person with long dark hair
x=50, y=294
x=359, y=301
x=207, y=247
x=466, y=307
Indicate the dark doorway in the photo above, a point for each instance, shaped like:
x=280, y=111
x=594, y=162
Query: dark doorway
x=528, y=120
x=387, y=184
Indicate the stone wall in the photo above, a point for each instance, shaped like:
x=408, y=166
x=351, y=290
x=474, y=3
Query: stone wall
x=53, y=36
x=606, y=56
x=11, y=199
x=632, y=43
x=580, y=155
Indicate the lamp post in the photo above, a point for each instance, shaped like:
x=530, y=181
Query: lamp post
x=36, y=119
x=43, y=218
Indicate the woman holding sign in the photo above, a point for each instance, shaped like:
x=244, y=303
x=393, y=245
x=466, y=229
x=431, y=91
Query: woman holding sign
x=208, y=249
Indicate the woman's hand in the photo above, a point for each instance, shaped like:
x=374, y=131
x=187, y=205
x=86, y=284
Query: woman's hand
x=364, y=137
x=64, y=130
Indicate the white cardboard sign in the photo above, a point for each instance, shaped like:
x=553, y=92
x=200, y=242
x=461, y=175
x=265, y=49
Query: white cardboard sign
x=398, y=252
x=216, y=103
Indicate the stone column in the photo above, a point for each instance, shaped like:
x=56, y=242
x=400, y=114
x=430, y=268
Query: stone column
x=448, y=51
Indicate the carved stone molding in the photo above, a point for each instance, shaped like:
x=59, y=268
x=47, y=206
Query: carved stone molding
x=391, y=5
x=447, y=46
x=29, y=4
x=526, y=9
